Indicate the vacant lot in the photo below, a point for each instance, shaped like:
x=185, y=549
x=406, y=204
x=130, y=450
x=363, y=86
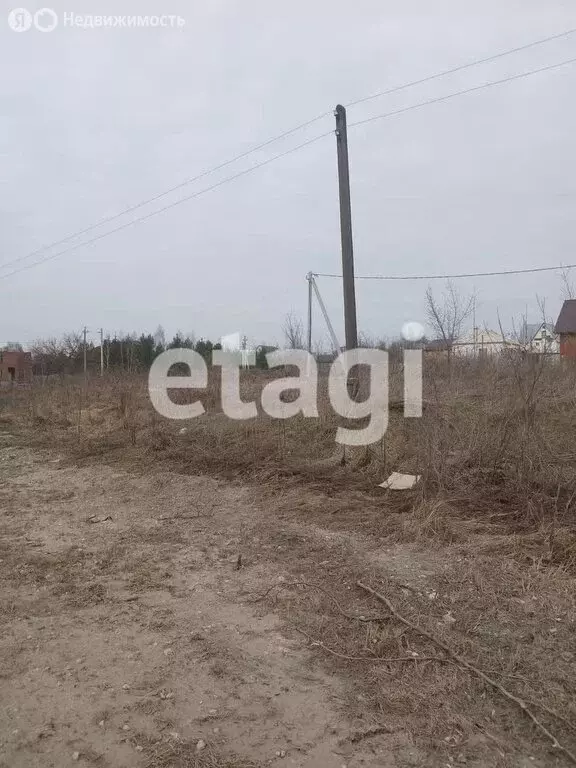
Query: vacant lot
x=192, y=599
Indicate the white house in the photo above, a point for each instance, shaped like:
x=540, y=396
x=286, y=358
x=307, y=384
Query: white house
x=480, y=342
x=540, y=338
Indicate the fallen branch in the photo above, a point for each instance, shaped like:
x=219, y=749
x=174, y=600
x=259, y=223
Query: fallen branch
x=471, y=668
x=384, y=659
x=552, y=713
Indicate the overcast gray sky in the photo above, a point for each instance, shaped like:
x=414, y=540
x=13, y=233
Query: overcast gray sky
x=95, y=120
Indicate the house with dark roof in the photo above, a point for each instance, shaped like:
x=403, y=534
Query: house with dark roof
x=566, y=328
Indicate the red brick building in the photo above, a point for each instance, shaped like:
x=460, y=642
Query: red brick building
x=566, y=327
x=15, y=367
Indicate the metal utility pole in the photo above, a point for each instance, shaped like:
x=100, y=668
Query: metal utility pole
x=346, y=229
x=309, y=277
x=101, y=351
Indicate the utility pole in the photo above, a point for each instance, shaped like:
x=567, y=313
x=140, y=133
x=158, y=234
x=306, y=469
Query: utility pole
x=101, y=351
x=85, y=331
x=474, y=325
x=346, y=229
x=309, y=277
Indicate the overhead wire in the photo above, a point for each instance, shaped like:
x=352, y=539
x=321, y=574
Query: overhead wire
x=186, y=182
x=281, y=136
x=463, y=92
x=461, y=67
x=166, y=207
x=164, y=193
x=451, y=277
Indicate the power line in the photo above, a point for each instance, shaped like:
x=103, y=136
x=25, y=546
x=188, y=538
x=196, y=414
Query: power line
x=450, y=277
x=453, y=95
x=276, y=157
x=280, y=136
x=166, y=192
x=474, y=63
x=166, y=207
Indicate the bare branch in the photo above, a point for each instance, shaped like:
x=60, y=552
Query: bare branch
x=293, y=331
x=448, y=315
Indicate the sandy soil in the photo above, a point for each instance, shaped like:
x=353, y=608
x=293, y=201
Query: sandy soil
x=128, y=635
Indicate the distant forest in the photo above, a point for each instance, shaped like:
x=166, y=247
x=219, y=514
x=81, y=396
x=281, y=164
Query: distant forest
x=122, y=352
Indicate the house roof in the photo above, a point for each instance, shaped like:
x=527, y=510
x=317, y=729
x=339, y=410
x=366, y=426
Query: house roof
x=566, y=322
x=530, y=330
x=483, y=337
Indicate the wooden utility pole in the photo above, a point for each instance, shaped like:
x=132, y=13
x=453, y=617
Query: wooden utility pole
x=101, y=351
x=346, y=230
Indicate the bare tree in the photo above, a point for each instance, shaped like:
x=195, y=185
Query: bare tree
x=72, y=345
x=160, y=338
x=12, y=346
x=448, y=314
x=57, y=355
x=44, y=353
x=293, y=331
x=568, y=291
x=366, y=340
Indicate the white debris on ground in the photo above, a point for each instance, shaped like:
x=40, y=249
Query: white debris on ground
x=400, y=482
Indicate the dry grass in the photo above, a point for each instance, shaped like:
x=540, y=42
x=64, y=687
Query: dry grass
x=494, y=447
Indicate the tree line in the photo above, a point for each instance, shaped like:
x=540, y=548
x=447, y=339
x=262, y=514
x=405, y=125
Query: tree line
x=119, y=352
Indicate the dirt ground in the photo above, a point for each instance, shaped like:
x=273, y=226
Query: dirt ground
x=159, y=619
